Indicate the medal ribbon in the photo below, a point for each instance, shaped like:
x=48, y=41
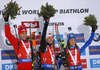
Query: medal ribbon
x=74, y=60
x=27, y=50
x=52, y=55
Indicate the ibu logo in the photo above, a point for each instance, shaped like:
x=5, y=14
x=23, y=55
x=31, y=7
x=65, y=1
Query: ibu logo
x=95, y=63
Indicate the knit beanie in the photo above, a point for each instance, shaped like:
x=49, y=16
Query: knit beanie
x=21, y=29
x=70, y=36
x=48, y=34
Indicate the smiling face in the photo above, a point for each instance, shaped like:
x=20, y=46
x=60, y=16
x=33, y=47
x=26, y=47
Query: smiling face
x=72, y=42
x=23, y=35
x=50, y=39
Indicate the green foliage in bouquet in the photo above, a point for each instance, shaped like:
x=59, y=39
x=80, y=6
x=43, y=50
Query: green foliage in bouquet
x=47, y=10
x=90, y=20
x=12, y=8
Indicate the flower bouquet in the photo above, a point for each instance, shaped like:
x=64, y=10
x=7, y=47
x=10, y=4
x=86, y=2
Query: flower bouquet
x=12, y=9
x=47, y=10
x=90, y=20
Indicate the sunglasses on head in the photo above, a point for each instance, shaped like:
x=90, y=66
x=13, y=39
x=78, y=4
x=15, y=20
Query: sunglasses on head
x=22, y=28
x=71, y=35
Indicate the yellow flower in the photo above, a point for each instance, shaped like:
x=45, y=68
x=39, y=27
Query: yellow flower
x=41, y=10
x=41, y=6
x=45, y=10
x=83, y=20
x=11, y=2
x=7, y=4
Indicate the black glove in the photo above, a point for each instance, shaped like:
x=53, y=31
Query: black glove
x=5, y=16
x=94, y=27
x=46, y=18
x=64, y=58
x=62, y=54
x=57, y=57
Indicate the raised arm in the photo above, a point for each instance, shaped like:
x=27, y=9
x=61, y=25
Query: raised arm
x=8, y=34
x=43, y=39
x=89, y=41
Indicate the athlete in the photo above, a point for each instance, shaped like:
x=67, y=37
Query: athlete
x=21, y=45
x=74, y=52
x=46, y=49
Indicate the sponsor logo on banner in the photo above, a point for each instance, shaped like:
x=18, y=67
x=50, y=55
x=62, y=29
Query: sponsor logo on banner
x=84, y=63
x=79, y=38
x=83, y=53
x=94, y=50
x=34, y=24
x=95, y=63
x=7, y=42
x=10, y=66
x=96, y=37
x=55, y=38
x=8, y=54
x=59, y=23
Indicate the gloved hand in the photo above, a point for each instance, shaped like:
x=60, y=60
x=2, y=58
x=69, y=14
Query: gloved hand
x=46, y=18
x=63, y=56
x=94, y=28
x=5, y=16
x=57, y=57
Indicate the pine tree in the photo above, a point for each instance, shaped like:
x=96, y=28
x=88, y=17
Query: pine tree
x=12, y=8
x=90, y=20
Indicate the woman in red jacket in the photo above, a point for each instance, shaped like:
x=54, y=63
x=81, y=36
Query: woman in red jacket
x=46, y=49
x=21, y=45
x=74, y=52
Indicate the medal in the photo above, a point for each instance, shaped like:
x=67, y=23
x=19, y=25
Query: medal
x=75, y=67
x=28, y=57
x=44, y=61
x=53, y=66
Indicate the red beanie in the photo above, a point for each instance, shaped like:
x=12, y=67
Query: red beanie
x=21, y=29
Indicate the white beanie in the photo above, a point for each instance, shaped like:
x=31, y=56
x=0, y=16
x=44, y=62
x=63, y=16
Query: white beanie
x=49, y=33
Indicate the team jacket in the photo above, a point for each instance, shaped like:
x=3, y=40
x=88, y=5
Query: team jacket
x=20, y=53
x=48, y=57
x=79, y=51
